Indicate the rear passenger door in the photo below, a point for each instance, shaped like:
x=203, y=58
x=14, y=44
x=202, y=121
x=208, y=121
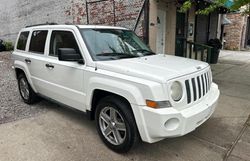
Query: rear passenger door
x=64, y=80
x=36, y=57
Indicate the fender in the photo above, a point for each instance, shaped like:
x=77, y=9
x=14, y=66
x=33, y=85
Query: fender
x=23, y=66
x=128, y=91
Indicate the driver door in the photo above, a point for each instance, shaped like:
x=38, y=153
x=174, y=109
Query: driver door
x=65, y=80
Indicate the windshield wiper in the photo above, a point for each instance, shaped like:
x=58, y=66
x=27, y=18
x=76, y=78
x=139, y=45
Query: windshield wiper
x=121, y=55
x=147, y=52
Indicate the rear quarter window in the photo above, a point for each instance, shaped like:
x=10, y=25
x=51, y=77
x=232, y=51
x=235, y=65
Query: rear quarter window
x=22, y=40
x=38, y=40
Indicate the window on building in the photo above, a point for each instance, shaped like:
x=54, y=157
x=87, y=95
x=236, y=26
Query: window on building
x=22, y=41
x=62, y=39
x=38, y=40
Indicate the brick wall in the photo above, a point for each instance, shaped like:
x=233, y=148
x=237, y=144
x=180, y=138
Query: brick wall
x=16, y=14
x=235, y=32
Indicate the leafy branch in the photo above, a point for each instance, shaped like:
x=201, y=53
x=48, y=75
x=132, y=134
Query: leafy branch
x=238, y=4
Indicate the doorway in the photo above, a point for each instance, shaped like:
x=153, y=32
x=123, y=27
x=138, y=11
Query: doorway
x=161, y=31
x=202, y=29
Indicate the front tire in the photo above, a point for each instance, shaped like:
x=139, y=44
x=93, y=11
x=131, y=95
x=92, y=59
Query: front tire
x=26, y=92
x=116, y=124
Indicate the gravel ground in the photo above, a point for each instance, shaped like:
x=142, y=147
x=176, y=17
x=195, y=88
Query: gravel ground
x=11, y=105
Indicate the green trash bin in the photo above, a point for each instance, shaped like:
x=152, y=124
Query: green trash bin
x=214, y=55
x=217, y=45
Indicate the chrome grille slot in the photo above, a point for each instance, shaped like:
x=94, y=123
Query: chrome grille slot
x=205, y=76
x=203, y=84
x=194, y=89
x=188, y=91
x=198, y=86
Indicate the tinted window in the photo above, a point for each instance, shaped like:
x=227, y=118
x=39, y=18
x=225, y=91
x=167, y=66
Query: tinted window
x=22, y=41
x=62, y=39
x=38, y=40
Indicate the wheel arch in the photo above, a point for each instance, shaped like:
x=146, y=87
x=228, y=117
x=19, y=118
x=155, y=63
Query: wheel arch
x=98, y=94
x=22, y=69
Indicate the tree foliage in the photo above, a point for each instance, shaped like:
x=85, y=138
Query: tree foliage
x=238, y=4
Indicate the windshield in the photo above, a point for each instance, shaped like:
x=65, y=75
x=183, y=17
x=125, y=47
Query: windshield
x=113, y=44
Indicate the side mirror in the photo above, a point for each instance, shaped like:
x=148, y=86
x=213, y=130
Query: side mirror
x=69, y=54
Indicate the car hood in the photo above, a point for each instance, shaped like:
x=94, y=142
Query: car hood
x=160, y=68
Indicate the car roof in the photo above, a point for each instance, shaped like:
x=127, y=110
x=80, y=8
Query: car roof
x=72, y=26
x=101, y=27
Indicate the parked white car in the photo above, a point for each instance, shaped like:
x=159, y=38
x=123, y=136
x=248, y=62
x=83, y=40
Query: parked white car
x=110, y=74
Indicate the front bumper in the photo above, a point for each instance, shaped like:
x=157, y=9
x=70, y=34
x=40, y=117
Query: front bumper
x=157, y=124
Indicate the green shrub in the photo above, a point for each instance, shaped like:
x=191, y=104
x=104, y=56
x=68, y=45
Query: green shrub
x=8, y=45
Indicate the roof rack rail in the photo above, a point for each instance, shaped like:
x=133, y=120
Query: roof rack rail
x=47, y=23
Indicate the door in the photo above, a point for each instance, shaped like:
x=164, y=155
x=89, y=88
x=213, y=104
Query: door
x=213, y=25
x=161, y=31
x=202, y=26
x=64, y=80
x=36, y=58
x=180, y=34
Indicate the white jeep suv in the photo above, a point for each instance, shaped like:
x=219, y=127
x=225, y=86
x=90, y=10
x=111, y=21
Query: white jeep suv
x=110, y=74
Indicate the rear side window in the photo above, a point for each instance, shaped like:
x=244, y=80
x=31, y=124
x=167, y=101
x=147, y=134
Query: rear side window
x=37, y=43
x=22, y=41
x=62, y=39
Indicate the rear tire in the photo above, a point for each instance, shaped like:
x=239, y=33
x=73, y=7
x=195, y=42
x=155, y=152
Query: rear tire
x=116, y=125
x=26, y=92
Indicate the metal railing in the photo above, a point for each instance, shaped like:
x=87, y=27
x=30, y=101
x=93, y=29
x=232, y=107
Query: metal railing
x=198, y=51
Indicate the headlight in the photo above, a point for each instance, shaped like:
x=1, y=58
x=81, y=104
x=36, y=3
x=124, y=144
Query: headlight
x=176, y=91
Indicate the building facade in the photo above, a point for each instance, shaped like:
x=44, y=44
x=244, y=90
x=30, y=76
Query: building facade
x=169, y=30
x=237, y=34
x=16, y=14
x=157, y=22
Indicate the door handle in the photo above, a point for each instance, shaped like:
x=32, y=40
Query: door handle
x=28, y=61
x=50, y=66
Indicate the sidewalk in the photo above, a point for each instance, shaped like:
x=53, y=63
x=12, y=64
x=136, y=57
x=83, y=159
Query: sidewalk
x=232, y=74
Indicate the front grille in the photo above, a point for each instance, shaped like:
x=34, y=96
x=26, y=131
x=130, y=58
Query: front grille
x=197, y=87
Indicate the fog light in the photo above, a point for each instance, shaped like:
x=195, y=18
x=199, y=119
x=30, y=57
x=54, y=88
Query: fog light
x=172, y=124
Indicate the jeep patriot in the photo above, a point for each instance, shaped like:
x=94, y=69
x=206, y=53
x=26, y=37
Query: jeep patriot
x=132, y=93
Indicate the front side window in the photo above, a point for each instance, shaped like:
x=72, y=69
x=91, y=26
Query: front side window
x=111, y=44
x=62, y=39
x=37, y=43
x=22, y=41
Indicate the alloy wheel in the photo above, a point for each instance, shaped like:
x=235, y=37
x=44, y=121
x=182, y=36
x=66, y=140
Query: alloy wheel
x=112, y=125
x=24, y=88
